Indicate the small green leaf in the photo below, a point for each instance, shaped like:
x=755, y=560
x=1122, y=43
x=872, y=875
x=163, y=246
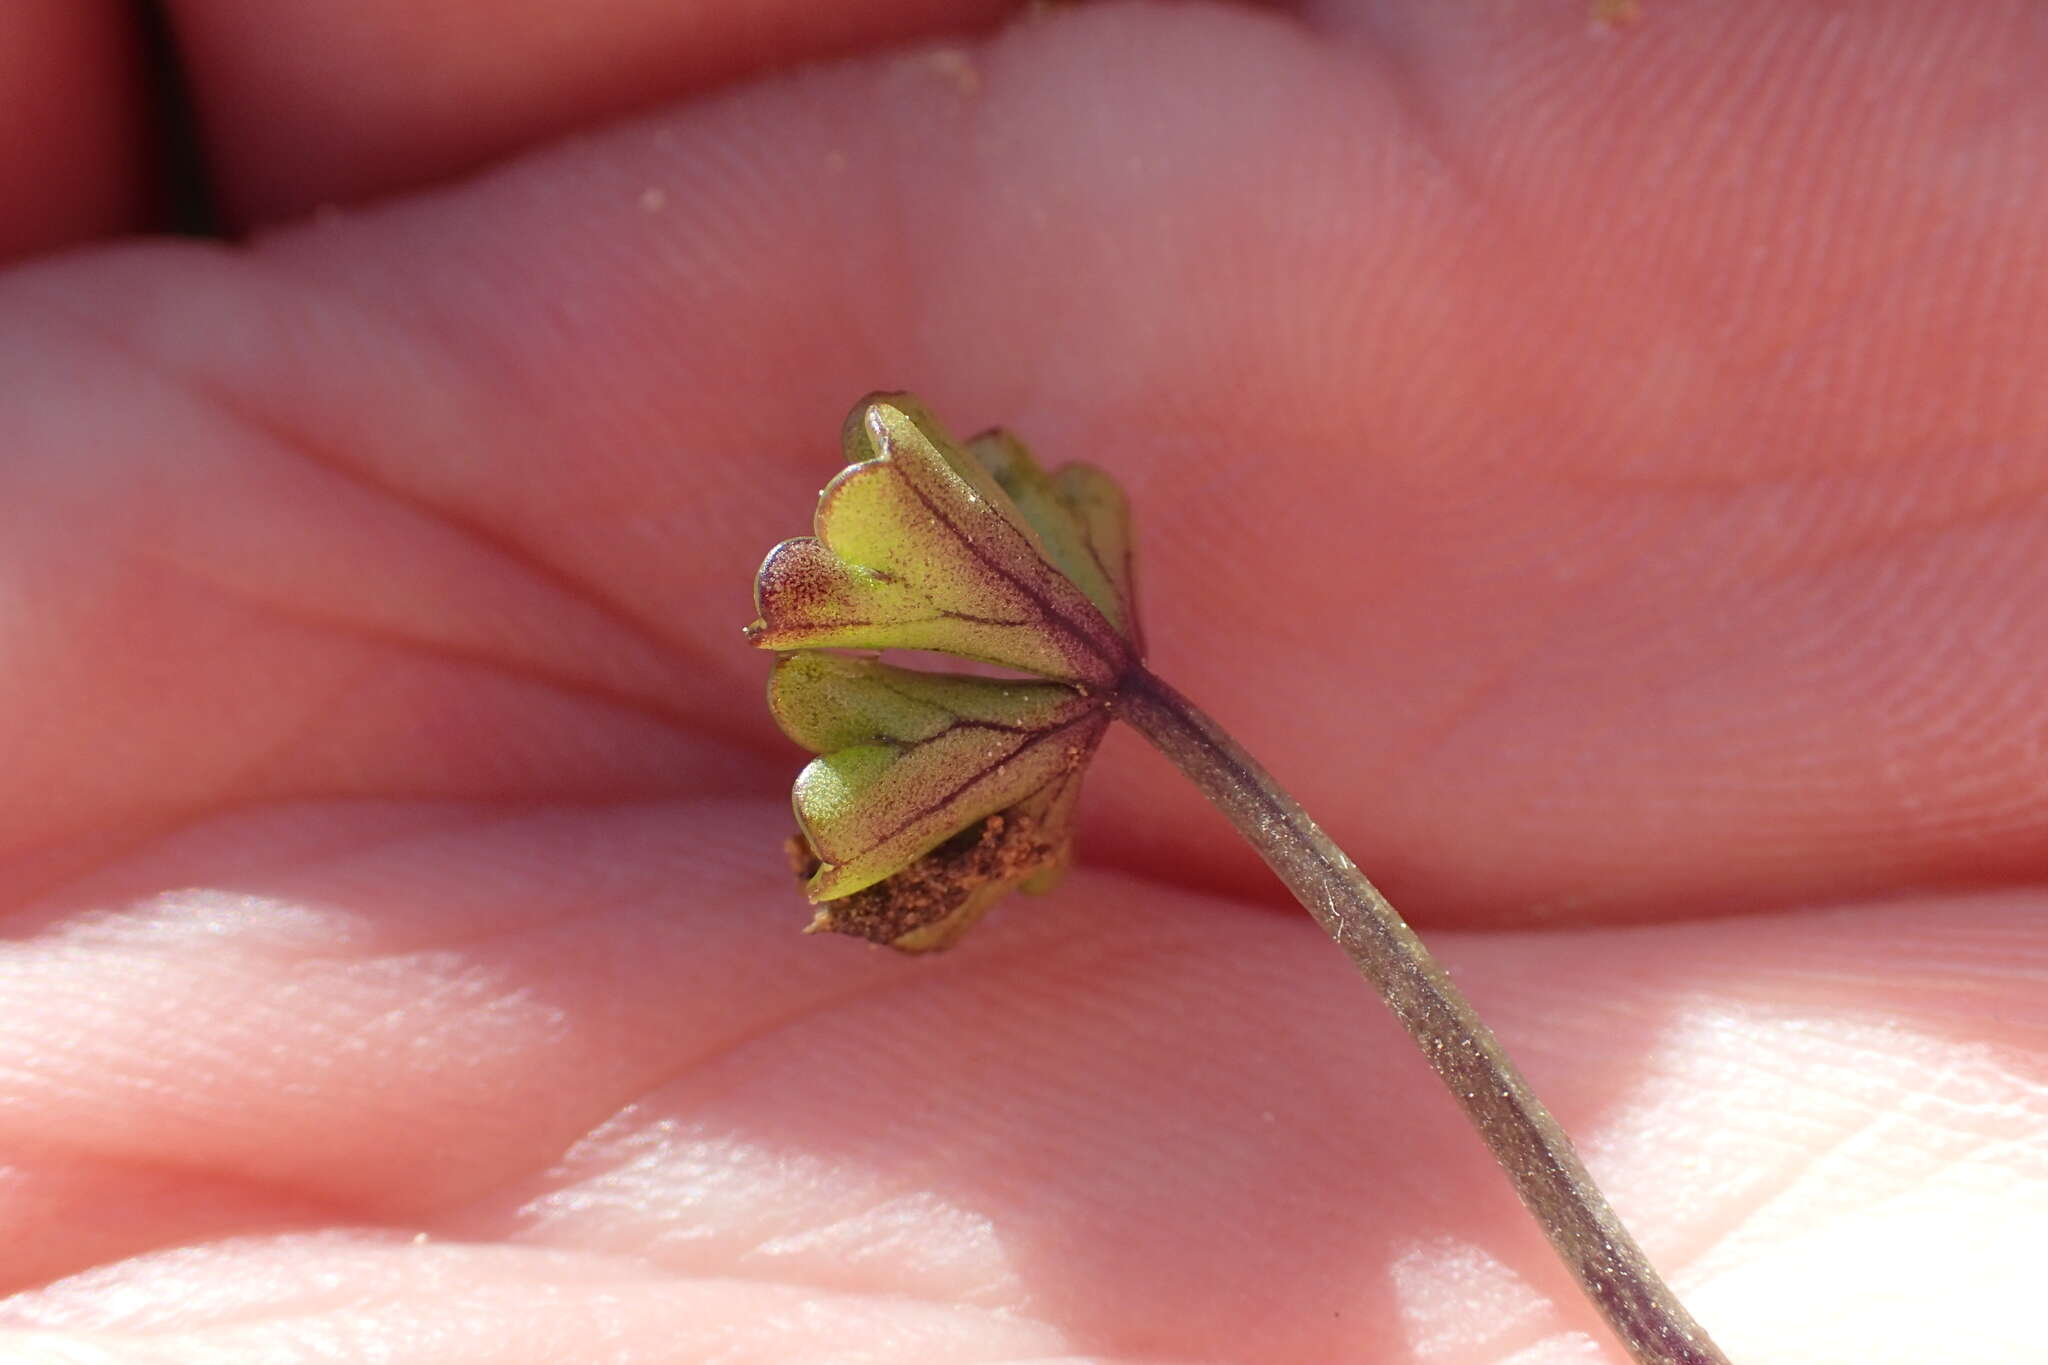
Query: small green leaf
x=1081, y=518
x=910, y=759
x=920, y=546
x=934, y=794
x=830, y=701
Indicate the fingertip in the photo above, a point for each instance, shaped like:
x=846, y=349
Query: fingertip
x=72, y=128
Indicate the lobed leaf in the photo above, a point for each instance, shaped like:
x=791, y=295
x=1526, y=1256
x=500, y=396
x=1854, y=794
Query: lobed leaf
x=934, y=794
x=1082, y=518
x=908, y=760
x=921, y=544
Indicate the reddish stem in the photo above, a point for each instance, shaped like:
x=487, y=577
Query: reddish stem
x=1534, y=1151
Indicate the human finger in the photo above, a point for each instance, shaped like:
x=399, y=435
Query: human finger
x=305, y=104
x=73, y=143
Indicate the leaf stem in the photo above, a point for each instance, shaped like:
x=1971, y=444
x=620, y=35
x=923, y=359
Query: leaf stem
x=1534, y=1151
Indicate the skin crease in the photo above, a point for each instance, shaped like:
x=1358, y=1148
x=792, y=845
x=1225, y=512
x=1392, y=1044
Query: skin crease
x=1600, y=472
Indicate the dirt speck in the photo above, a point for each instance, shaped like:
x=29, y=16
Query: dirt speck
x=955, y=66
x=928, y=904
x=1608, y=15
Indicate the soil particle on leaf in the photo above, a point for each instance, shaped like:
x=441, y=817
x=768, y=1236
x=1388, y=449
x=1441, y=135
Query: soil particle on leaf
x=928, y=903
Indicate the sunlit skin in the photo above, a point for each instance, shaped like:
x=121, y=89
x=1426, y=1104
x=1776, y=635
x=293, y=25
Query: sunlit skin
x=1604, y=474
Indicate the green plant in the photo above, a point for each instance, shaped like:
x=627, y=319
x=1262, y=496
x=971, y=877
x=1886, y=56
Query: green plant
x=934, y=794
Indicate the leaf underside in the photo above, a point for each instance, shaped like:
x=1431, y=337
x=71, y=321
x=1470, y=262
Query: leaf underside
x=935, y=793
x=918, y=545
x=908, y=759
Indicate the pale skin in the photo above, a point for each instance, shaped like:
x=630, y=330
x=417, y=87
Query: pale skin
x=1601, y=476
